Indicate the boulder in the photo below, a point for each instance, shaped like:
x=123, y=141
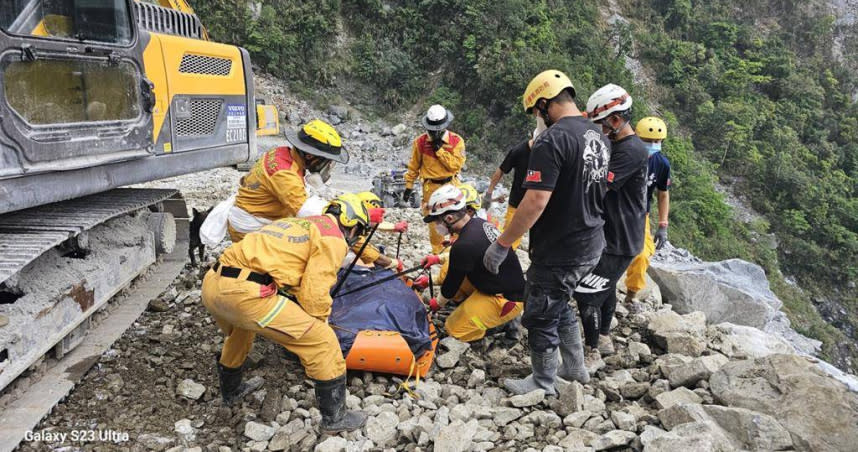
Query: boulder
x=689, y=437
x=682, y=334
x=733, y=291
x=819, y=412
x=745, y=429
x=744, y=341
x=698, y=369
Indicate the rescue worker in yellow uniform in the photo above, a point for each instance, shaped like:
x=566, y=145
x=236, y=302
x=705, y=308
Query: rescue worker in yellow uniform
x=275, y=186
x=371, y=254
x=437, y=156
x=486, y=300
x=301, y=257
x=653, y=132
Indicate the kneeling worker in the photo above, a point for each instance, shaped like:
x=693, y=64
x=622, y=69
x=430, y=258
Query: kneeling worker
x=302, y=257
x=486, y=300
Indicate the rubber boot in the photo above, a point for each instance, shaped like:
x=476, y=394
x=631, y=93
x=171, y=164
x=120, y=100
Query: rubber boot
x=606, y=345
x=231, y=386
x=331, y=396
x=572, y=354
x=544, y=374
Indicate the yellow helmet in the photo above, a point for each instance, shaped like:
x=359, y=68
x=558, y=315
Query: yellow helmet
x=472, y=196
x=651, y=128
x=370, y=200
x=319, y=138
x=349, y=211
x=547, y=85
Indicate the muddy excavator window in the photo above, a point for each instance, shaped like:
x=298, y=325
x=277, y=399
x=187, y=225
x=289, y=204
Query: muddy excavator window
x=82, y=20
x=47, y=91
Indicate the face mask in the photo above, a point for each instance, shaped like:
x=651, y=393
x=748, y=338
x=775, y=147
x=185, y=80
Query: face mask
x=314, y=180
x=540, y=127
x=653, y=148
x=441, y=228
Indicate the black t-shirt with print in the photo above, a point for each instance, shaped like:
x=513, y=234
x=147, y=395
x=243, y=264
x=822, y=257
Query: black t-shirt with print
x=658, y=176
x=466, y=261
x=625, y=202
x=570, y=159
x=516, y=161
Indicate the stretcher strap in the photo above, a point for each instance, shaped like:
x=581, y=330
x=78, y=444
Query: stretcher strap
x=272, y=314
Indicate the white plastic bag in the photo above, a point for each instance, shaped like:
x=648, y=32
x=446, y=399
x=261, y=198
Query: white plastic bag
x=214, y=228
x=313, y=206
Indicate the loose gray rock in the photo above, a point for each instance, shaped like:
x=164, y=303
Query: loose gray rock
x=677, y=396
x=612, y=439
x=623, y=420
x=190, y=389
x=504, y=415
x=187, y=433
x=381, y=429
x=531, y=398
x=697, y=369
x=745, y=429
x=456, y=437
x=477, y=378
x=332, y=444
x=154, y=442
x=570, y=398
x=258, y=432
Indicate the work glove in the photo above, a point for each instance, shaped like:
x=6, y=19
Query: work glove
x=487, y=201
x=376, y=215
x=421, y=282
x=401, y=226
x=395, y=265
x=660, y=236
x=433, y=305
x=406, y=195
x=430, y=260
x=494, y=257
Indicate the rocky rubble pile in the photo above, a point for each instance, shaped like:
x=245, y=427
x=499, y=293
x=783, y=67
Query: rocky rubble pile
x=675, y=383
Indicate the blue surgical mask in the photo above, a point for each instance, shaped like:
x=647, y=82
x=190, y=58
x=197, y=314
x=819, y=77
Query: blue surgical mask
x=653, y=147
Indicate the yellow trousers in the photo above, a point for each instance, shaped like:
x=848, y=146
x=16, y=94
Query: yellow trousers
x=636, y=273
x=243, y=309
x=479, y=312
x=510, y=212
x=435, y=239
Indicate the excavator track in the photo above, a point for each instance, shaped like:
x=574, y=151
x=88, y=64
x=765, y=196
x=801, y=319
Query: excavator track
x=60, y=264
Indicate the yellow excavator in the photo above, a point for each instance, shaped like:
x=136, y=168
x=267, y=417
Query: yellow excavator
x=97, y=95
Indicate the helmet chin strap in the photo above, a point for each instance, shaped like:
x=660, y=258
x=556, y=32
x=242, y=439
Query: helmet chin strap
x=543, y=111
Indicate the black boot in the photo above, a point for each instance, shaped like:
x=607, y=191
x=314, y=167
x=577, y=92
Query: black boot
x=331, y=396
x=231, y=386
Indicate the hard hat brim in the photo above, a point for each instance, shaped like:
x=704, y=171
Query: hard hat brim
x=342, y=157
x=439, y=126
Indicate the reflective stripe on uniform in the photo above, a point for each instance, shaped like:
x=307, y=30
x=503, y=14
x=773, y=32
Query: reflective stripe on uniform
x=479, y=323
x=272, y=314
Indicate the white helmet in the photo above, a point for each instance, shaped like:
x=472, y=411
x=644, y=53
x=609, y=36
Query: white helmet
x=606, y=100
x=437, y=118
x=447, y=198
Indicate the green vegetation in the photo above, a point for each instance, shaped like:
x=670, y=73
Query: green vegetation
x=746, y=95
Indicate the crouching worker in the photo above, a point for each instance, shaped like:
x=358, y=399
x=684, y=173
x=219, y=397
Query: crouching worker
x=485, y=300
x=300, y=256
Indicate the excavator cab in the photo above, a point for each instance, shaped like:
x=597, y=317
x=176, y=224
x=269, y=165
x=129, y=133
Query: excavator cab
x=97, y=94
